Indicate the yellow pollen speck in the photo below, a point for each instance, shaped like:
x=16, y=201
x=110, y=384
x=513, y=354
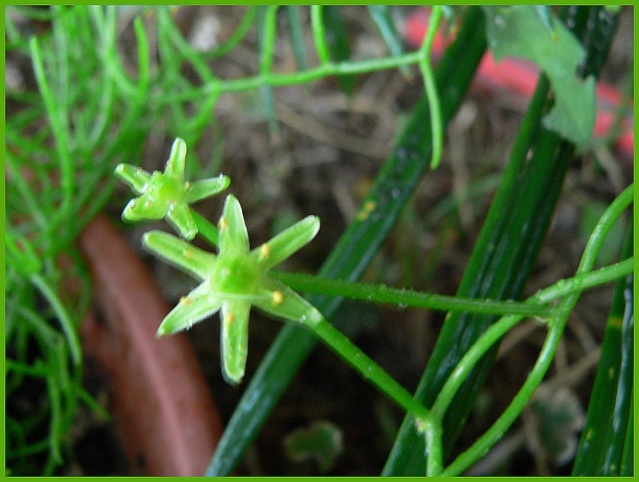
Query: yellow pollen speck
x=278, y=298
x=187, y=253
x=368, y=208
x=187, y=184
x=229, y=319
x=223, y=224
x=615, y=321
x=185, y=300
x=265, y=250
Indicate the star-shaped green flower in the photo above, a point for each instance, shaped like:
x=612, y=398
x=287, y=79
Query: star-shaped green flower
x=167, y=194
x=234, y=280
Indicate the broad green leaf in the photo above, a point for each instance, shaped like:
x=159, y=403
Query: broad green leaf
x=519, y=31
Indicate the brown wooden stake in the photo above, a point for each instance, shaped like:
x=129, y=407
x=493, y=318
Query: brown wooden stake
x=164, y=410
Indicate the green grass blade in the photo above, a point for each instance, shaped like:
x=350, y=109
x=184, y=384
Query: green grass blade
x=499, y=266
x=357, y=246
x=603, y=438
x=628, y=457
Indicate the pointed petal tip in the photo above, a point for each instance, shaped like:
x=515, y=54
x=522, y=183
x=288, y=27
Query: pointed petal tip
x=314, y=222
x=233, y=379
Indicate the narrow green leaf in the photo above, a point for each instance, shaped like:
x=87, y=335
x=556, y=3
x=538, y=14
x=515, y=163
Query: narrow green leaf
x=628, y=458
x=603, y=437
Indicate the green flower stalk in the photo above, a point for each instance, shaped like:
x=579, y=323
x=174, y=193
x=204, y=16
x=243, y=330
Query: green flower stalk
x=235, y=280
x=166, y=194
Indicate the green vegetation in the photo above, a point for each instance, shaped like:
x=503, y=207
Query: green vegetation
x=94, y=104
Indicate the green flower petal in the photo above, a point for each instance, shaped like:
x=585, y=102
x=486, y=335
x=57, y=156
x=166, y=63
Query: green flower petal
x=279, y=300
x=234, y=339
x=287, y=242
x=180, y=253
x=179, y=215
x=177, y=159
x=191, y=309
x=133, y=176
x=233, y=235
x=143, y=207
x=199, y=190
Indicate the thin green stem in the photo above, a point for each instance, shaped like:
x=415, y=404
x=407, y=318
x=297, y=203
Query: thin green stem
x=105, y=21
x=60, y=133
x=65, y=320
x=557, y=325
x=281, y=79
x=204, y=227
x=434, y=448
x=379, y=293
x=238, y=34
x=268, y=39
x=267, y=32
x=370, y=370
x=28, y=196
x=501, y=327
x=429, y=84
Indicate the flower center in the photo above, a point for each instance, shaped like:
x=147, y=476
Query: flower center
x=235, y=274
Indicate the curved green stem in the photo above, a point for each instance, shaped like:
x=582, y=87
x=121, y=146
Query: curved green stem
x=429, y=84
x=238, y=34
x=557, y=325
x=268, y=39
x=62, y=314
x=501, y=327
